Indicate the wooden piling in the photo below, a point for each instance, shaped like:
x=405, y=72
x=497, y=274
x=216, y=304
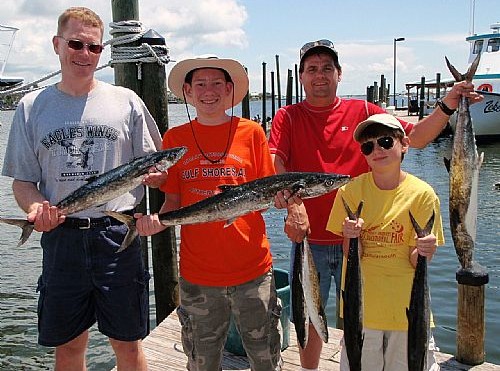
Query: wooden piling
x=245, y=103
x=289, y=87
x=438, y=85
x=264, y=96
x=296, y=83
x=470, y=314
x=421, y=102
x=273, y=96
x=470, y=325
x=278, y=82
x=153, y=91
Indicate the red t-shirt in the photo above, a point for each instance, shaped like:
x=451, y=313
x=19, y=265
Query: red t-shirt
x=309, y=138
x=211, y=254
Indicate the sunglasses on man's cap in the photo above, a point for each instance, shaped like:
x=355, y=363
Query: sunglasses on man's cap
x=315, y=44
x=79, y=45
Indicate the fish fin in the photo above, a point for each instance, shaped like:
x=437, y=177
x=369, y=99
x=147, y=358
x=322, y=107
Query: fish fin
x=447, y=164
x=124, y=218
x=469, y=75
x=129, y=238
x=129, y=221
x=229, y=222
x=26, y=226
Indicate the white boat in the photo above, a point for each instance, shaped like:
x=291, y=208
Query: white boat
x=8, y=82
x=486, y=114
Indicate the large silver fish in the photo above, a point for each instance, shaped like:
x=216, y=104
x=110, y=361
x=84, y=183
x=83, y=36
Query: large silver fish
x=236, y=200
x=107, y=186
x=464, y=175
x=307, y=306
x=418, y=313
x=353, y=299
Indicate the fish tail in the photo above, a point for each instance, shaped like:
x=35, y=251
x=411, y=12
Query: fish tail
x=457, y=75
x=124, y=218
x=26, y=226
x=129, y=221
x=470, y=72
x=422, y=232
x=469, y=75
x=129, y=238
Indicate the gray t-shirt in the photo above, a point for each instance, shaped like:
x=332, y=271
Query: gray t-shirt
x=59, y=141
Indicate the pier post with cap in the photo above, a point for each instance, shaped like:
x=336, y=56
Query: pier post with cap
x=151, y=87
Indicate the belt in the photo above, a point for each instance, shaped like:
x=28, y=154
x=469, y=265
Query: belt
x=87, y=223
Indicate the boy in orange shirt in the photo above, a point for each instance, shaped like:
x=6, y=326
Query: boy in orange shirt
x=224, y=270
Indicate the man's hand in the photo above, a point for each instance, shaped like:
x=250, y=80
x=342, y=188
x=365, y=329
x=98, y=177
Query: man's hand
x=154, y=178
x=45, y=217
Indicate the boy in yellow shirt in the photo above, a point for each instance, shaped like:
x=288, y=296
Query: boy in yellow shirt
x=388, y=243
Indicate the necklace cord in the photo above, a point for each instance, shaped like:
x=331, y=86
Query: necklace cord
x=194, y=135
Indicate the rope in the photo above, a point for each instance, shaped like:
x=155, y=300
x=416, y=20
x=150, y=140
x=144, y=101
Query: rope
x=131, y=31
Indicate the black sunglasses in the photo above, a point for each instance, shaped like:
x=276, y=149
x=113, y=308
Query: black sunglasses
x=79, y=45
x=384, y=142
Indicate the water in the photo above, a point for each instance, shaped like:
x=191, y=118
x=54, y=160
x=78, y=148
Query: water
x=21, y=266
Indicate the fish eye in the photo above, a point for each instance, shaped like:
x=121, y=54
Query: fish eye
x=329, y=183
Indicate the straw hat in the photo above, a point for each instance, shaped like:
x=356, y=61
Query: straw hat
x=232, y=67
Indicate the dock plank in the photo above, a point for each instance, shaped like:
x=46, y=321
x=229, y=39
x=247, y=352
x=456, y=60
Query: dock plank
x=163, y=349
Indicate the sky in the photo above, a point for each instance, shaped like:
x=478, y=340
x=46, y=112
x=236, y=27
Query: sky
x=255, y=31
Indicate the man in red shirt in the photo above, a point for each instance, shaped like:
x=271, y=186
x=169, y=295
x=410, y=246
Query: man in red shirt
x=317, y=135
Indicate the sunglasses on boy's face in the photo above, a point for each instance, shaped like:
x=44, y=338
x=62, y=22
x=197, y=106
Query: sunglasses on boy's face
x=79, y=45
x=384, y=142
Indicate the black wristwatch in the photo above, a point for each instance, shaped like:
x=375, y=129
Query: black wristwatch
x=446, y=110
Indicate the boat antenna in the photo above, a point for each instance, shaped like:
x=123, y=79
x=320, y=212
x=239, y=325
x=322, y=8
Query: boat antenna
x=8, y=29
x=472, y=14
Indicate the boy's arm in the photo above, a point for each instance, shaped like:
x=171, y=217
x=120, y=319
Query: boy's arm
x=150, y=224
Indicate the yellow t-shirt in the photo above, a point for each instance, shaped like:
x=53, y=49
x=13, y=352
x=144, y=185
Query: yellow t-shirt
x=387, y=238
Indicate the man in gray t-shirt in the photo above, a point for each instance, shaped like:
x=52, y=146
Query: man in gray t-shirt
x=61, y=136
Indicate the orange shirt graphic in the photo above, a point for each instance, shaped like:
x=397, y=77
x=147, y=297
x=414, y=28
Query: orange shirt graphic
x=211, y=254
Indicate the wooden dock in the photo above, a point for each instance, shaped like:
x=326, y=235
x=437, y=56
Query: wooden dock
x=163, y=349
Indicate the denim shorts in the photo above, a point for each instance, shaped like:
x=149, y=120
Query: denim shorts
x=83, y=281
x=328, y=262
x=205, y=313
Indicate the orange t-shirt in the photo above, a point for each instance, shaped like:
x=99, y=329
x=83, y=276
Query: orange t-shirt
x=211, y=254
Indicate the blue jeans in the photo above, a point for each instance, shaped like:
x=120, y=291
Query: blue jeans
x=328, y=262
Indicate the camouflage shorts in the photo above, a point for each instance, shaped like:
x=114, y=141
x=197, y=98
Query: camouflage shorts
x=205, y=313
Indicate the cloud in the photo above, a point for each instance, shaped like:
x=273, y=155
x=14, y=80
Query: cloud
x=190, y=27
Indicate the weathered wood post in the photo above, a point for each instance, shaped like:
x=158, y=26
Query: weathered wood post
x=126, y=76
x=152, y=89
x=264, y=96
x=470, y=315
x=273, y=96
x=382, y=92
x=296, y=83
x=289, y=87
x=278, y=82
x=438, y=85
x=163, y=244
x=421, y=102
x=245, y=103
